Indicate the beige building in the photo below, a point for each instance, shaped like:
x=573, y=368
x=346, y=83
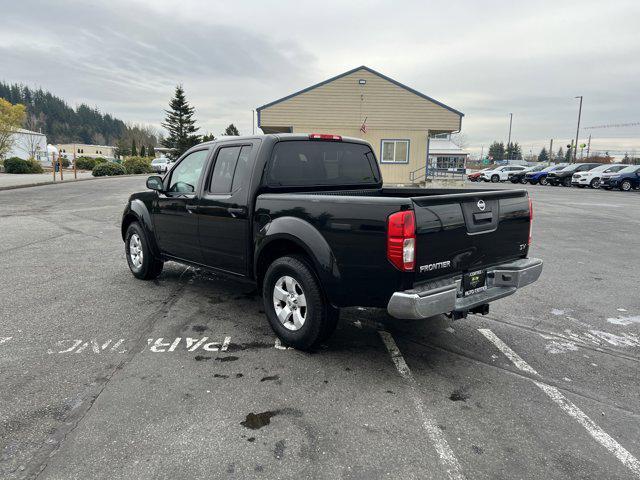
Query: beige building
x=397, y=120
x=81, y=150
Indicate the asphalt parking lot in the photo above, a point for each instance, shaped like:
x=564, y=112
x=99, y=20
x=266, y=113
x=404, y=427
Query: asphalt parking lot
x=106, y=376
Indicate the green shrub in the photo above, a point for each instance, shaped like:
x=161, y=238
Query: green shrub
x=87, y=163
x=136, y=165
x=18, y=165
x=65, y=162
x=108, y=169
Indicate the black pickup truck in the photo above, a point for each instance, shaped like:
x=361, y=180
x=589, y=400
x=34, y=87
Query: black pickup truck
x=307, y=219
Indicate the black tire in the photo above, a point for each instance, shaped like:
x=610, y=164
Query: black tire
x=151, y=266
x=566, y=182
x=595, y=183
x=495, y=178
x=514, y=180
x=320, y=317
x=626, y=186
x=543, y=181
x=532, y=182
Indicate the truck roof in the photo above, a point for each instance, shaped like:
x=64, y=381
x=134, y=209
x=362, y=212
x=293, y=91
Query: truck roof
x=278, y=137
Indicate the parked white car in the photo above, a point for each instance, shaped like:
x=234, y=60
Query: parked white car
x=501, y=174
x=161, y=164
x=591, y=178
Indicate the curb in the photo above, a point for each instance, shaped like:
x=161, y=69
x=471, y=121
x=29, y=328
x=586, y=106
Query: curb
x=59, y=182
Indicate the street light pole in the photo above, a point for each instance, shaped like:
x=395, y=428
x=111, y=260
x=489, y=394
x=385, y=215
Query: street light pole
x=510, y=122
x=253, y=122
x=575, y=150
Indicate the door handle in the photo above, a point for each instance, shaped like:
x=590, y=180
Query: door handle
x=235, y=211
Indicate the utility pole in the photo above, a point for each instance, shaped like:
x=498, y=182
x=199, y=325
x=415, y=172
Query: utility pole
x=510, y=122
x=481, y=153
x=551, y=157
x=588, y=145
x=578, y=128
x=253, y=122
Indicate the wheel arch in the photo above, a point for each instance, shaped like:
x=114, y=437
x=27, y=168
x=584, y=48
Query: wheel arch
x=137, y=212
x=294, y=236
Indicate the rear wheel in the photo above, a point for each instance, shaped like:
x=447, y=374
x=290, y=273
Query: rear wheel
x=566, y=182
x=142, y=262
x=295, y=305
x=495, y=178
x=595, y=183
x=625, y=186
x=543, y=181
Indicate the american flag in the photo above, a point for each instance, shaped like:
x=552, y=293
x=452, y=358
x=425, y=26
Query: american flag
x=363, y=128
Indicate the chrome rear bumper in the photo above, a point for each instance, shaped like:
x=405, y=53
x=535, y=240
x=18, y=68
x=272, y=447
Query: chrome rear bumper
x=502, y=280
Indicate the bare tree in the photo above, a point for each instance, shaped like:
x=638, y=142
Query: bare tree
x=460, y=140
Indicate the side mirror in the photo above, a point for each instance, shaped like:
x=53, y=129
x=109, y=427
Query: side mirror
x=155, y=183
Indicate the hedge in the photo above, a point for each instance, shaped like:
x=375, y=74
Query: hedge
x=18, y=165
x=108, y=169
x=136, y=165
x=87, y=163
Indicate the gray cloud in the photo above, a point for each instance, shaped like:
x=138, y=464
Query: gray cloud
x=484, y=58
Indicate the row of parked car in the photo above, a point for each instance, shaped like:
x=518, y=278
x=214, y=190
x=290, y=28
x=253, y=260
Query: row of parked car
x=593, y=175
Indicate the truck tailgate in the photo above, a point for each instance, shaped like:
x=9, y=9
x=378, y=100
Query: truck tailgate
x=465, y=232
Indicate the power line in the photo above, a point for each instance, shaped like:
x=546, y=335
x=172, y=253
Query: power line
x=613, y=125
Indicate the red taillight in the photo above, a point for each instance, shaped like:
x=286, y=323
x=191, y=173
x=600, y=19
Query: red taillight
x=530, y=219
x=401, y=240
x=325, y=136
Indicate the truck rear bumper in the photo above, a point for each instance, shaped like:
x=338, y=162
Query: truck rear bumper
x=502, y=280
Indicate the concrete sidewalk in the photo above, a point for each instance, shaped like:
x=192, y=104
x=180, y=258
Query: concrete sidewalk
x=13, y=180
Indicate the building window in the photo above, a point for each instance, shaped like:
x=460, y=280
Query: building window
x=443, y=136
x=394, y=151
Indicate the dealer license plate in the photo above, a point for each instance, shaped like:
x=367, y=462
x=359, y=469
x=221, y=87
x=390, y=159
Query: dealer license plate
x=474, y=282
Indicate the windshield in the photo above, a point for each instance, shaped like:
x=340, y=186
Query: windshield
x=302, y=163
x=630, y=169
x=616, y=168
x=158, y=161
x=570, y=168
x=538, y=168
x=601, y=168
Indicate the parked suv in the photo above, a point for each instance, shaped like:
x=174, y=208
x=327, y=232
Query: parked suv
x=160, y=164
x=591, y=178
x=500, y=174
x=520, y=177
x=626, y=179
x=541, y=176
x=563, y=177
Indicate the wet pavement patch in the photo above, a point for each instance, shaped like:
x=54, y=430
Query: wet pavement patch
x=269, y=378
x=219, y=375
x=251, y=439
x=278, y=450
x=254, y=421
x=459, y=395
x=230, y=358
x=199, y=358
x=234, y=347
x=477, y=449
x=199, y=328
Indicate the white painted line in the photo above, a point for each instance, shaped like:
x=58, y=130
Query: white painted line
x=225, y=344
x=4, y=339
x=278, y=345
x=569, y=407
x=454, y=471
x=510, y=354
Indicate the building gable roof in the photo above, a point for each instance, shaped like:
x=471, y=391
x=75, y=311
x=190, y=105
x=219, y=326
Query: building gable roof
x=370, y=70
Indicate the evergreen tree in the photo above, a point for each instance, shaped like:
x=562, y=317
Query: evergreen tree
x=180, y=124
x=543, y=156
x=231, y=130
x=496, y=151
x=134, y=150
x=143, y=151
x=560, y=155
x=513, y=151
x=568, y=155
x=151, y=151
x=208, y=137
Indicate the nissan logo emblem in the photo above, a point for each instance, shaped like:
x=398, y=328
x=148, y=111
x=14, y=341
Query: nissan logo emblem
x=481, y=205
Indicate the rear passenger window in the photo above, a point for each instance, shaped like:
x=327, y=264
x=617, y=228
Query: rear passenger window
x=241, y=174
x=222, y=176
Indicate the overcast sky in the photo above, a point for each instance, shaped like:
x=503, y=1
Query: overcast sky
x=485, y=59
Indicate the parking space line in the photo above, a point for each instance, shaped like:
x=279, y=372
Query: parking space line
x=444, y=451
x=602, y=437
x=4, y=339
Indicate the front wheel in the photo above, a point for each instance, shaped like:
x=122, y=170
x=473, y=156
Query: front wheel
x=543, y=181
x=625, y=186
x=295, y=306
x=142, y=262
x=595, y=183
x=566, y=182
x=495, y=178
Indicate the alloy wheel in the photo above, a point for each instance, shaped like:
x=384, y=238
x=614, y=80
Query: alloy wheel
x=135, y=250
x=290, y=303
